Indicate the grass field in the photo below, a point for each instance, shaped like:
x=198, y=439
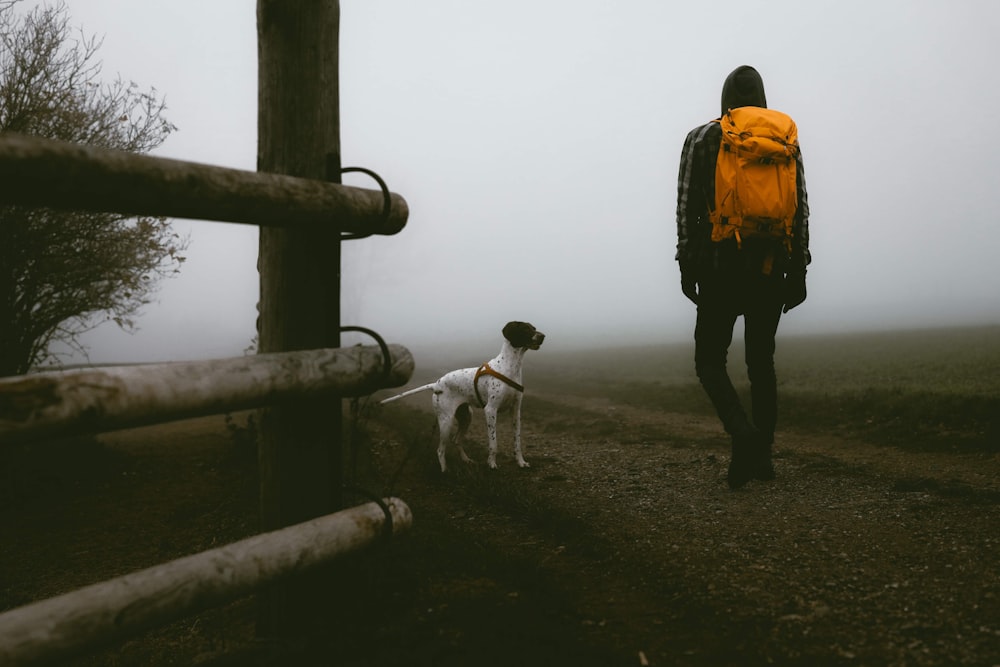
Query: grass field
x=936, y=388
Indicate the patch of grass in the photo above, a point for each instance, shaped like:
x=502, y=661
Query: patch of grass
x=933, y=389
x=927, y=389
x=918, y=419
x=945, y=361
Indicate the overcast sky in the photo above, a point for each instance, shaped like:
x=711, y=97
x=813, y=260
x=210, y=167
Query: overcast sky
x=537, y=144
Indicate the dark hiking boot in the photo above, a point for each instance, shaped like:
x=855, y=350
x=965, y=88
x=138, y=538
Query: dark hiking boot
x=763, y=468
x=744, y=463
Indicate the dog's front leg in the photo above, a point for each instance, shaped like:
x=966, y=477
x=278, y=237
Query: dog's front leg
x=516, y=421
x=491, y=433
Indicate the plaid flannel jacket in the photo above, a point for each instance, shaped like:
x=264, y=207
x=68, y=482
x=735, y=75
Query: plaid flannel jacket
x=696, y=189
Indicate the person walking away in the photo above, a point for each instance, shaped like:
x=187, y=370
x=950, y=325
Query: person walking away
x=743, y=249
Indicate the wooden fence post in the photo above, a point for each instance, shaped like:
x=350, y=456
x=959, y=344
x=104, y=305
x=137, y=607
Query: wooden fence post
x=299, y=135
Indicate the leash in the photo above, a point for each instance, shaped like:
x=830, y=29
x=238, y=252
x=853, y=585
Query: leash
x=486, y=370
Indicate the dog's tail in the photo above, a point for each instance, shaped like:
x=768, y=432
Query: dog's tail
x=407, y=393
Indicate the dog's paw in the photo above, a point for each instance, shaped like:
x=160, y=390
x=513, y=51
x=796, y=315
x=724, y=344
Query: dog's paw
x=524, y=464
x=492, y=464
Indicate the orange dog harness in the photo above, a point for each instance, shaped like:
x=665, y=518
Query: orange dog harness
x=486, y=370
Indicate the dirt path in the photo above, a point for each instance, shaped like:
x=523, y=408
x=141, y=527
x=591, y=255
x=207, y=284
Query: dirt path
x=621, y=545
x=856, y=554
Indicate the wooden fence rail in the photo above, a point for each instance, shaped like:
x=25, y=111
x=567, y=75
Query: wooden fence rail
x=42, y=172
x=104, y=399
x=69, y=624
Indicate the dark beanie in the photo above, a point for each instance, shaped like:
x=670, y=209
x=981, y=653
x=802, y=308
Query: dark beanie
x=743, y=88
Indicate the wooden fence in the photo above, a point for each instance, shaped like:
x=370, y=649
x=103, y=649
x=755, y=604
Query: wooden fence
x=303, y=213
x=58, y=628
x=95, y=400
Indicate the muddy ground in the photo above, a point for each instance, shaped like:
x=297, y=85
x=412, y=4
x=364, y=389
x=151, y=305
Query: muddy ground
x=621, y=545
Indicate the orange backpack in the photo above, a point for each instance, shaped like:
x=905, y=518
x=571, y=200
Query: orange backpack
x=755, y=193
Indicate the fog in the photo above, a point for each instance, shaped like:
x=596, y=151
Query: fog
x=537, y=144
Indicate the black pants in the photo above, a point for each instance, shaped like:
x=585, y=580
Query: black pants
x=723, y=296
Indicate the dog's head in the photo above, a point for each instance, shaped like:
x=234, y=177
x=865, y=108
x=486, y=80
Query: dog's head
x=522, y=334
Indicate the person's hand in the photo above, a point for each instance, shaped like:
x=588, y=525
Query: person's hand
x=689, y=284
x=794, y=290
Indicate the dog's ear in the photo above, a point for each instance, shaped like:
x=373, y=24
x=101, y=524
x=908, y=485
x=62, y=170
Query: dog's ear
x=518, y=333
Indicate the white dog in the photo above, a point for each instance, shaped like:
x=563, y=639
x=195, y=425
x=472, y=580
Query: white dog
x=495, y=386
